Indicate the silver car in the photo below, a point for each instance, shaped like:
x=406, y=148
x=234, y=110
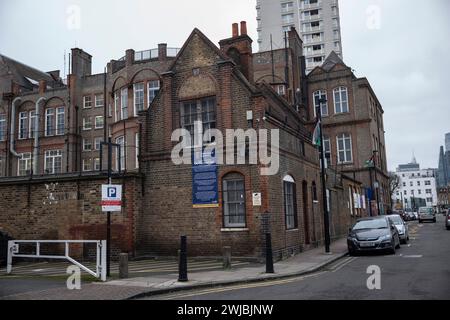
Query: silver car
x=427, y=213
x=402, y=227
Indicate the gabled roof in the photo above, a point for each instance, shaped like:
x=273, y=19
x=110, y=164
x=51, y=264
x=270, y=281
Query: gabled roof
x=332, y=60
x=24, y=75
x=208, y=42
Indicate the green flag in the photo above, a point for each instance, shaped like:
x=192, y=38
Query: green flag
x=317, y=139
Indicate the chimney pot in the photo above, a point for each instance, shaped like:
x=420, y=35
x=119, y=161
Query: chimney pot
x=235, y=30
x=243, y=28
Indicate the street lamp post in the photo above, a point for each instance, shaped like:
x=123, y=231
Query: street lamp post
x=322, y=174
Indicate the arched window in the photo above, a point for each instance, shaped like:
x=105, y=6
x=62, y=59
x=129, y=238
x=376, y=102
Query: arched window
x=233, y=190
x=290, y=203
x=340, y=100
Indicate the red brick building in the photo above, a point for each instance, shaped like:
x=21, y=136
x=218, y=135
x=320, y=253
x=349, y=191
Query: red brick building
x=353, y=128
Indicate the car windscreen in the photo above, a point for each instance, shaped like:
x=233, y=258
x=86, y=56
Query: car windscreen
x=396, y=219
x=370, y=224
x=426, y=210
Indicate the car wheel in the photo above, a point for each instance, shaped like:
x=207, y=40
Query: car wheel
x=420, y=221
x=434, y=220
x=392, y=251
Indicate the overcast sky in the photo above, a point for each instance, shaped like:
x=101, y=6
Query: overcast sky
x=401, y=46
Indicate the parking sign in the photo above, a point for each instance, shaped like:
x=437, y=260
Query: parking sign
x=111, y=198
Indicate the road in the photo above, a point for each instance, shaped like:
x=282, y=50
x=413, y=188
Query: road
x=419, y=270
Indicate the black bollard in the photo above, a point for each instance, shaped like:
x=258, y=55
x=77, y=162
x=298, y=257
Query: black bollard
x=182, y=264
x=269, y=257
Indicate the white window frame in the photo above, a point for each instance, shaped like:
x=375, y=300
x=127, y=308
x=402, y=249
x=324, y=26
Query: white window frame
x=96, y=164
x=340, y=90
x=3, y=126
x=23, y=125
x=87, y=144
x=87, y=104
x=31, y=123
x=87, y=161
x=122, y=153
x=141, y=92
x=321, y=94
x=58, y=113
x=344, y=137
x=53, y=155
x=51, y=122
x=152, y=91
x=24, y=157
x=327, y=140
x=124, y=103
x=97, y=141
x=95, y=122
x=85, y=128
x=116, y=104
x=137, y=150
x=97, y=99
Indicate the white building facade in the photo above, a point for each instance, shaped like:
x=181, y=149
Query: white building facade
x=416, y=184
x=316, y=21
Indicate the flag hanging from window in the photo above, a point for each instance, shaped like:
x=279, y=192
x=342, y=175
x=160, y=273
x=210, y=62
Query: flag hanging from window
x=317, y=139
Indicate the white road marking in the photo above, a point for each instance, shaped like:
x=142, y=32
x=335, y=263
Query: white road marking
x=413, y=256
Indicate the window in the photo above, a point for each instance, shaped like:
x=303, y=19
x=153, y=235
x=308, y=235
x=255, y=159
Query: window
x=340, y=100
x=234, y=201
x=97, y=164
x=2, y=127
x=32, y=124
x=428, y=183
x=97, y=142
x=286, y=7
x=120, y=165
x=318, y=95
x=419, y=191
x=116, y=105
x=87, y=123
x=290, y=203
x=87, y=102
x=24, y=167
x=153, y=89
x=344, y=148
x=124, y=104
x=287, y=18
x=98, y=122
x=53, y=161
x=201, y=110
x=138, y=98
x=137, y=150
x=411, y=184
x=87, y=165
x=327, y=150
x=418, y=183
x=99, y=101
x=87, y=145
x=429, y=199
x=404, y=184
x=405, y=192
x=23, y=125
x=60, y=120
x=281, y=90
x=429, y=191
x=50, y=122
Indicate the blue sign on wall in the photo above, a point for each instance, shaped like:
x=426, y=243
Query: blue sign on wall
x=204, y=181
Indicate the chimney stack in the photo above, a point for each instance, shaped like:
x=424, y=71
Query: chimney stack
x=235, y=30
x=243, y=28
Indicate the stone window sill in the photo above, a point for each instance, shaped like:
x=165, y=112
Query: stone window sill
x=234, y=229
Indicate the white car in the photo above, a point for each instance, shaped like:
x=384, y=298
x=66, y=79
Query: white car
x=427, y=213
x=402, y=227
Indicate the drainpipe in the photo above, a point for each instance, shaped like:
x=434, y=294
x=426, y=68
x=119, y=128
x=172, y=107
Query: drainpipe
x=36, y=136
x=13, y=126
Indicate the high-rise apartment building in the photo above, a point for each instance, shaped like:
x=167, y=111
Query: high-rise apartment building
x=317, y=22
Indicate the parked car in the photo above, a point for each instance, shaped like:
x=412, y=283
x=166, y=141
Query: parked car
x=373, y=234
x=447, y=220
x=402, y=227
x=427, y=213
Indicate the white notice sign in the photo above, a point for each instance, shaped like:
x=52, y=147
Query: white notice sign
x=111, y=198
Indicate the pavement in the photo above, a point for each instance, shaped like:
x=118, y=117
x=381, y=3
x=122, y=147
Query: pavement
x=157, y=284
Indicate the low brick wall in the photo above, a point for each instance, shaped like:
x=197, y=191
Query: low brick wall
x=68, y=208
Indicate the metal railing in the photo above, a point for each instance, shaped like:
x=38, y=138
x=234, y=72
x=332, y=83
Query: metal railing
x=100, y=272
